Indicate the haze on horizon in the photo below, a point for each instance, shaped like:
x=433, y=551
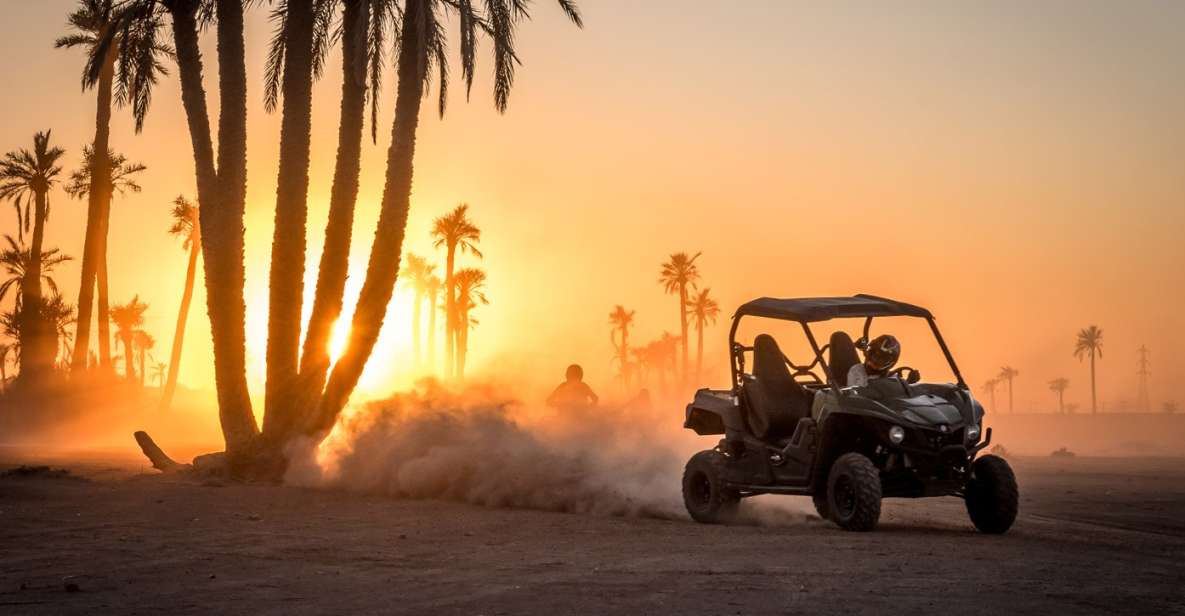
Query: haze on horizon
x=1018, y=169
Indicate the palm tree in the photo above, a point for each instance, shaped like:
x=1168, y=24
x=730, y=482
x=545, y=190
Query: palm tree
x=26, y=177
x=678, y=275
x=121, y=179
x=159, y=372
x=470, y=292
x=1007, y=373
x=1059, y=386
x=455, y=231
x=134, y=55
x=416, y=272
x=1090, y=342
x=705, y=310
x=990, y=386
x=128, y=318
x=144, y=343
x=185, y=226
x=365, y=27
x=432, y=287
x=620, y=321
x=5, y=350
x=16, y=260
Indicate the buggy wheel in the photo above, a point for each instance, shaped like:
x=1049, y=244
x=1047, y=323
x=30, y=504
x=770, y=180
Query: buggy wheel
x=991, y=495
x=821, y=506
x=704, y=493
x=854, y=493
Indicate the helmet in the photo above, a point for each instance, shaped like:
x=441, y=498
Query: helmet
x=575, y=372
x=882, y=353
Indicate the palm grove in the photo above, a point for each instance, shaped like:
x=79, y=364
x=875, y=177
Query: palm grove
x=129, y=47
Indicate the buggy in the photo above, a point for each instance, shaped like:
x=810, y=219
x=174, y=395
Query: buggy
x=800, y=429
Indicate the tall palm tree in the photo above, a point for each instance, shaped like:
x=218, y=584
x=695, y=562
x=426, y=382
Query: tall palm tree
x=131, y=56
x=1090, y=343
x=990, y=386
x=185, y=226
x=455, y=231
x=365, y=30
x=128, y=318
x=5, y=351
x=620, y=321
x=1059, y=386
x=26, y=178
x=1007, y=373
x=432, y=287
x=470, y=293
x=144, y=343
x=679, y=274
x=416, y=273
x=121, y=179
x=16, y=259
x=705, y=310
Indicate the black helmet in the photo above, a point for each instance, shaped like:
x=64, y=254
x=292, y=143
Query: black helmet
x=574, y=372
x=882, y=353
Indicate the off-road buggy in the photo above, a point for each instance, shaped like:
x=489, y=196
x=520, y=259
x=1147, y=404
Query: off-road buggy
x=800, y=429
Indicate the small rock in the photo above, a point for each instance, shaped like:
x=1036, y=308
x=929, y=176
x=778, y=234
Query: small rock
x=403, y=536
x=254, y=517
x=70, y=585
x=212, y=576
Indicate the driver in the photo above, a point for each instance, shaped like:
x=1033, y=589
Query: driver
x=879, y=357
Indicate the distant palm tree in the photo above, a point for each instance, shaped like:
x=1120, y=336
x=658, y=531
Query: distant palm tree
x=470, y=292
x=620, y=321
x=16, y=259
x=990, y=386
x=185, y=226
x=122, y=180
x=678, y=275
x=664, y=356
x=1007, y=373
x=60, y=317
x=455, y=231
x=705, y=310
x=1059, y=386
x=26, y=178
x=432, y=288
x=159, y=371
x=1090, y=343
x=144, y=343
x=128, y=318
x=415, y=272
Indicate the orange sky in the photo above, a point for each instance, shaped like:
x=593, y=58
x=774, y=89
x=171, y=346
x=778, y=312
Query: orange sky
x=1020, y=170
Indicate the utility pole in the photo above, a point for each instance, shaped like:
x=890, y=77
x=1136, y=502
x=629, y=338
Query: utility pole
x=1143, y=404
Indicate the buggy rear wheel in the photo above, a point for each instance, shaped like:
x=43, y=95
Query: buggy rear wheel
x=706, y=497
x=854, y=493
x=821, y=506
x=991, y=495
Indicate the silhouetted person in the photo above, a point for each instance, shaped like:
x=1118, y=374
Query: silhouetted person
x=879, y=357
x=573, y=393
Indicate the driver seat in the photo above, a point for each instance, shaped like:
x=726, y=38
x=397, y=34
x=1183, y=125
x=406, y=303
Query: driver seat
x=776, y=401
x=841, y=357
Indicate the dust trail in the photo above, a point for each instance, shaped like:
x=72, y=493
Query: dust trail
x=483, y=447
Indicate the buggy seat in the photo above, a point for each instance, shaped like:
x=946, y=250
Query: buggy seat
x=774, y=399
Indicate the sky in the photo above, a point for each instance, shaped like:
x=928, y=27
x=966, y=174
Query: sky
x=1017, y=167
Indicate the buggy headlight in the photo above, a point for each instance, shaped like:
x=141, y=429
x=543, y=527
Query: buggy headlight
x=973, y=433
x=896, y=435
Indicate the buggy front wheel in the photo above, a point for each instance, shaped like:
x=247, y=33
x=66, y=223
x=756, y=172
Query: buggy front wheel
x=991, y=495
x=705, y=495
x=854, y=493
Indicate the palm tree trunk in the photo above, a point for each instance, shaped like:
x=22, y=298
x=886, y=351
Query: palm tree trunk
x=699, y=349
x=1094, y=407
x=683, y=324
x=432, y=333
x=1011, y=409
x=98, y=201
x=462, y=344
x=286, y=283
x=335, y=256
x=222, y=200
x=129, y=359
x=104, y=301
x=33, y=329
x=450, y=307
x=1061, y=402
x=383, y=268
x=170, y=387
x=415, y=329
x=142, y=372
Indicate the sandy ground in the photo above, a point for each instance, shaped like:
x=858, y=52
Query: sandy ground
x=1095, y=536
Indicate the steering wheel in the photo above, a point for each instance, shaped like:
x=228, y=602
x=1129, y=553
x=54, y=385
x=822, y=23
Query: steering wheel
x=913, y=377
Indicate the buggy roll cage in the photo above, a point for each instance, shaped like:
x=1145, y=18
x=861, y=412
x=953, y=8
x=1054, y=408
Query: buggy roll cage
x=808, y=310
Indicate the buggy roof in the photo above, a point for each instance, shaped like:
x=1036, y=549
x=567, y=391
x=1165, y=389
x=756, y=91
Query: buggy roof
x=810, y=309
